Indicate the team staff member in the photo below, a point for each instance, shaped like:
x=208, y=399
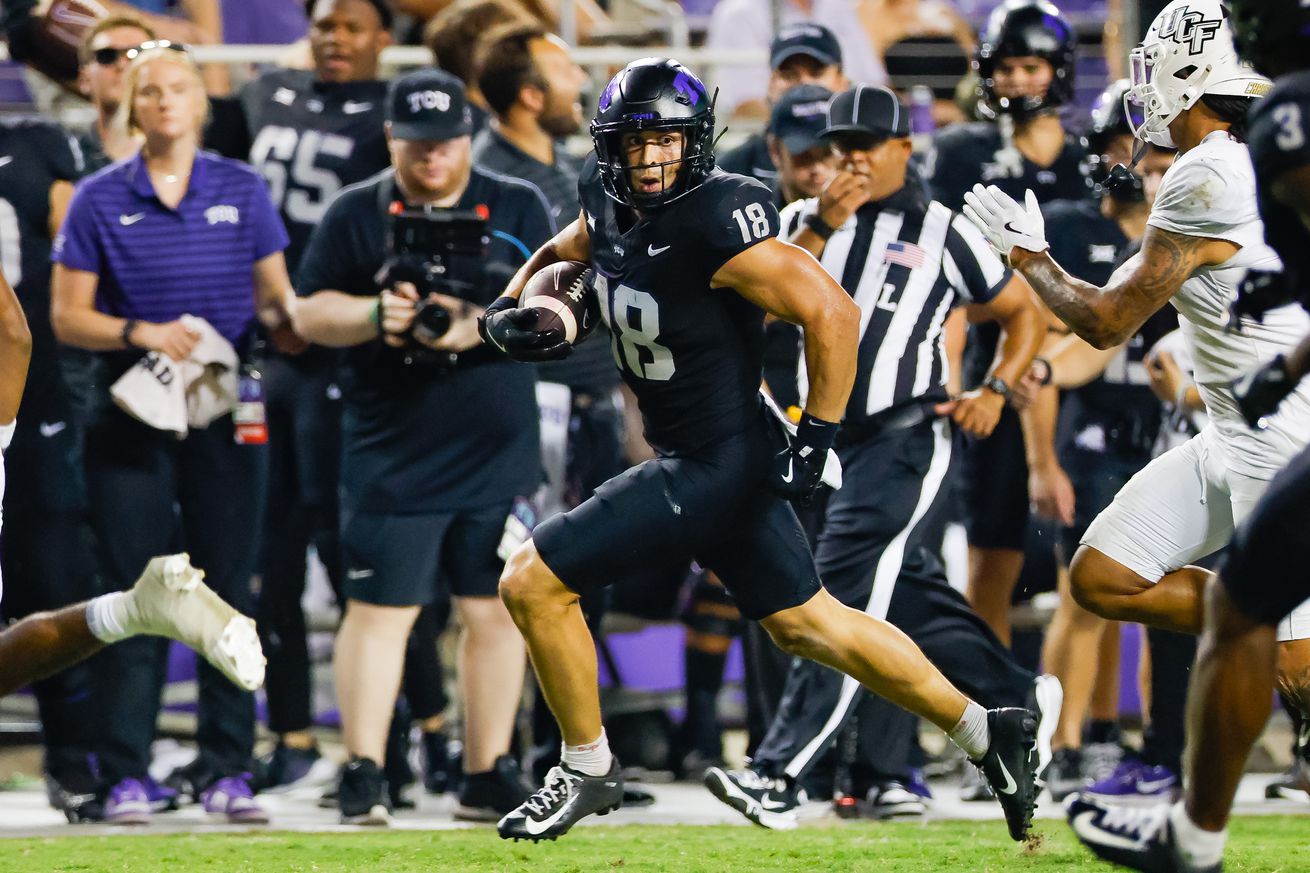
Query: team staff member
x=311, y=133
x=1025, y=64
x=906, y=261
x=805, y=53
x=439, y=441
x=44, y=552
x=171, y=231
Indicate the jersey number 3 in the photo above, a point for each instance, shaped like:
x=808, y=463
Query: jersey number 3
x=635, y=324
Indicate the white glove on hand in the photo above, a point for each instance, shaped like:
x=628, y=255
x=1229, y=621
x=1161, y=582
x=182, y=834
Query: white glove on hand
x=1006, y=224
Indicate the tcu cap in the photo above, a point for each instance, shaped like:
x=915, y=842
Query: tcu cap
x=799, y=117
x=805, y=38
x=428, y=104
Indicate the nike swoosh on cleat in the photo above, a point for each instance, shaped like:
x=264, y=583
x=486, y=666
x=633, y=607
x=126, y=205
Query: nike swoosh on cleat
x=1155, y=786
x=1085, y=828
x=773, y=804
x=535, y=827
x=1009, y=787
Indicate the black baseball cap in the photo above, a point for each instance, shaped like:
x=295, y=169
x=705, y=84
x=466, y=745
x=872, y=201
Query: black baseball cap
x=799, y=116
x=428, y=104
x=867, y=109
x=805, y=38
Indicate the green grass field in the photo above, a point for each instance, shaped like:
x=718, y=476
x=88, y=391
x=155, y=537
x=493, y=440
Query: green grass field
x=1259, y=844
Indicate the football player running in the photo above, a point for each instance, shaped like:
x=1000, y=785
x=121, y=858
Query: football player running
x=1263, y=578
x=1191, y=92
x=686, y=265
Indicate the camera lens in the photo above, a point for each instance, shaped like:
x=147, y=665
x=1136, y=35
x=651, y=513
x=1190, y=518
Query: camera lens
x=431, y=321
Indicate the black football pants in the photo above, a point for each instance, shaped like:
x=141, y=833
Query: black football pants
x=151, y=494
x=876, y=554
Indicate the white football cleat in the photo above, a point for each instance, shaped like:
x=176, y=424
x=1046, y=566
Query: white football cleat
x=172, y=600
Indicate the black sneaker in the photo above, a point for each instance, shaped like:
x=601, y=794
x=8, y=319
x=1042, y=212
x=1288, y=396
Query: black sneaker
x=1010, y=766
x=74, y=794
x=566, y=798
x=286, y=769
x=1066, y=773
x=768, y=802
x=436, y=762
x=492, y=795
x=362, y=794
x=891, y=799
x=1133, y=836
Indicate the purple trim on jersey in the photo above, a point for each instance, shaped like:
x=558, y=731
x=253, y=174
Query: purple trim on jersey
x=156, y=263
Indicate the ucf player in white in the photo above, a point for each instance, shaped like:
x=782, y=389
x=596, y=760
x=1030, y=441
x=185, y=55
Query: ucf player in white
x=1189, y=92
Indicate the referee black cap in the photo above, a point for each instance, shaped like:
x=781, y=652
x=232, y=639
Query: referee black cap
x=871, y=110
x=805, y=38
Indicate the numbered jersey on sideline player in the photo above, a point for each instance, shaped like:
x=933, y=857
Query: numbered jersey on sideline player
x=310, y=139
x=1279, y=144
x=691, y=353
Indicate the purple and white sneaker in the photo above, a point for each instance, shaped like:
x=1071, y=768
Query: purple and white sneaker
x=128, y=804
x=231, y=796
x=161, y=797
x=1135, y=779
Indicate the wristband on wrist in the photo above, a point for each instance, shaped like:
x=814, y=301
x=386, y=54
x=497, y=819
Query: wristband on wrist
x=125, y=334
x=823, y=229
x=816, y=432
x=375, y=313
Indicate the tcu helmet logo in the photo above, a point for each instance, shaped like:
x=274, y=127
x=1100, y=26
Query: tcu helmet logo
x=420, y=100
x=1186, y=26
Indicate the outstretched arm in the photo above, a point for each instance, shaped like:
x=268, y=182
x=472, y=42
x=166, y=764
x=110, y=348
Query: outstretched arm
x=1108, y=317
x=788, y=282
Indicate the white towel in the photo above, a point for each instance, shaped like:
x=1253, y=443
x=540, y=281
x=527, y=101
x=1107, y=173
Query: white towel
x=178, y=395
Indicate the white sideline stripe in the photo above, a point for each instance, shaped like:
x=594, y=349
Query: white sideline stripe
x=884, y=582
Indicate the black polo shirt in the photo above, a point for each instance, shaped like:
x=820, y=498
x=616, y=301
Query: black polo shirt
x=418, y=437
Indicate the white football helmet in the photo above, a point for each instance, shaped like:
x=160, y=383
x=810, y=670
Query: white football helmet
x=1188, y=52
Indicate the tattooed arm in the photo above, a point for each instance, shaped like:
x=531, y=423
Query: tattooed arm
x=1109, y=316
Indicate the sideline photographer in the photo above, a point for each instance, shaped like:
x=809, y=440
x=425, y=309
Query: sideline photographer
x=440, y=435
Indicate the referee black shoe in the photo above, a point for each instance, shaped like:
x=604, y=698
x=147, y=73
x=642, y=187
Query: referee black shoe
x=567, y=797
x=1010, y=766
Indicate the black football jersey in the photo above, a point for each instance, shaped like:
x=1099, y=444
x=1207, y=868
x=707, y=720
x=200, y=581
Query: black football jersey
x=1279, y=126
x=692, y=354
x=965, y=154
x=1116, y=411
x=34, y=155
x=310, y=139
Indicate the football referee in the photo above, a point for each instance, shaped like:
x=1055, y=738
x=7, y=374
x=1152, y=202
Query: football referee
x=906, y=261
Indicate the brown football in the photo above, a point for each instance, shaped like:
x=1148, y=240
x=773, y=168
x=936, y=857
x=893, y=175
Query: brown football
x=564, y=300
x=57, y=36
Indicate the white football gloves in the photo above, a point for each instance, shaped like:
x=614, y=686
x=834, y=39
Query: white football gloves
x=1005, y=223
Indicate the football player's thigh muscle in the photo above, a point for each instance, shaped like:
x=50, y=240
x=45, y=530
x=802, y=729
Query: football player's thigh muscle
x=653, y=514
x=765, y=559
x=1173, y=512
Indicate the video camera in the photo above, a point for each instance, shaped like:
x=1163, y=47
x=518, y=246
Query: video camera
x=442, y=251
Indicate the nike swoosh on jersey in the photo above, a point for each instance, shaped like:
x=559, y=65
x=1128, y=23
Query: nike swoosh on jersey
x=1009, y=787
x=50, y=428
x=1082, y=825
x=788, y=477
x=652, y=251
x=535, y=827
x=358, y=574
x=350, y=107
x=129, y=220
x=6, y=160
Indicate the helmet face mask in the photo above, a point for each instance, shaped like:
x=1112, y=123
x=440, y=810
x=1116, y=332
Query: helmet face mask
x=654, y=94
x=1187, y=54
x=1020, y=29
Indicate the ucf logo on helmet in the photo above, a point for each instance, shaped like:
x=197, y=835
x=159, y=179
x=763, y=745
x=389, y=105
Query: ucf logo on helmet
x=1188, y=27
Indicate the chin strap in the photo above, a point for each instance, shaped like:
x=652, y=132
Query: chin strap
x=1121, y=175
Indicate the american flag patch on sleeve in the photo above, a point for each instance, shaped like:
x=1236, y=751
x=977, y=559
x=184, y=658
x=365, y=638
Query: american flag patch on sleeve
x=903, y=253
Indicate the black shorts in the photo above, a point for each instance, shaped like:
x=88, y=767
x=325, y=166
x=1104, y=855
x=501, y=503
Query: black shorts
x=995, y=485
x=712, y=506
x=412, y=560
x=1096, y=477
x=1264, y=571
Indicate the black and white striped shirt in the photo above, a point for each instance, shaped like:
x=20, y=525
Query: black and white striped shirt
x=906, y=261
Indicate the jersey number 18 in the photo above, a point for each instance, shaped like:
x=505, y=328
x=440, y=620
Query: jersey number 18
x=635, y=327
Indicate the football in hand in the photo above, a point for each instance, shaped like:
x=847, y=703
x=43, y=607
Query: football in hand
x=564, y=300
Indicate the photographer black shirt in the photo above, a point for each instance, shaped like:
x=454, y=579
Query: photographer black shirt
x=419, y=436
